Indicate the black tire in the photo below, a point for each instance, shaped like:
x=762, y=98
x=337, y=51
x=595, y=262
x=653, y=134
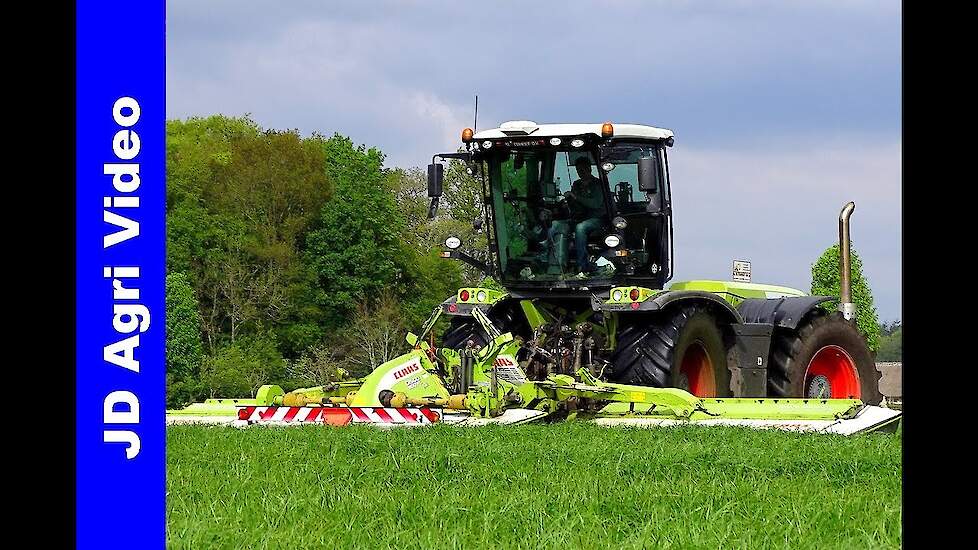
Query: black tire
x=651, y=351
x=462, y=329
x=792, y=353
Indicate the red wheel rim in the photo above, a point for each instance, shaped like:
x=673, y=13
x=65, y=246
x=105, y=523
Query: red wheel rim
x=698, y=369
x=833, y=372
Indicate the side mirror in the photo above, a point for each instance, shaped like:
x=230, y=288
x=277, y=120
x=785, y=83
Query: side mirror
x=436, y=174
x=648, y=174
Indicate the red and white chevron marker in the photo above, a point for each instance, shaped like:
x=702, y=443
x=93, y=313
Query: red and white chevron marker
x=338, y=416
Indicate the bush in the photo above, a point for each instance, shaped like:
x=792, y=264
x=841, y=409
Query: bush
x=239, y=368
x=825, y=282
x=317, y=366
x=891, y=346
x=184, y=352
x=375, y=335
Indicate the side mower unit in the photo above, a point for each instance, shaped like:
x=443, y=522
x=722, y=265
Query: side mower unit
x=487, y=385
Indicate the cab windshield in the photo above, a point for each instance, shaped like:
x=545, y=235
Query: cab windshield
x=552, y=215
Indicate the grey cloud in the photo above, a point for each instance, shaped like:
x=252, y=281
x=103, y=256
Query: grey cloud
x=779, y=207
x=782, y=111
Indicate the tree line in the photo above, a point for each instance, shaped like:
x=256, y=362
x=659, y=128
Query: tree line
x=289, y=257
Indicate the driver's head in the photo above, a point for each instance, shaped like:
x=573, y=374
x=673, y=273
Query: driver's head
x=583, y=166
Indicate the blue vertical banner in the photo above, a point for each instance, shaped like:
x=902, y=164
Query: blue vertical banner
x=120, y=240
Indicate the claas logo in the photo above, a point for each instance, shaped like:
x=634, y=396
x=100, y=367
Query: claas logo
x=504, y=362
x=406, y=371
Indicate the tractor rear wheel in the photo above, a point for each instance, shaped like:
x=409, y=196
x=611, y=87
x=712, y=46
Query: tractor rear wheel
x=826, y=357
x=681, y=349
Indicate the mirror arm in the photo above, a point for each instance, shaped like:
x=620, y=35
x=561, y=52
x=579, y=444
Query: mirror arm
x=481, y=266
x=466, y=156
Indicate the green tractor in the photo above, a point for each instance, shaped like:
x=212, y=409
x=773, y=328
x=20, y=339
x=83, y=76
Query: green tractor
x=580, y=229
x=584, y=328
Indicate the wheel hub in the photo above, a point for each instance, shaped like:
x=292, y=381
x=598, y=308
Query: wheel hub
x=819, y=387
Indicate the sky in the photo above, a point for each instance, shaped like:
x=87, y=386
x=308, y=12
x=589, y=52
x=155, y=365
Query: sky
x=782, y=111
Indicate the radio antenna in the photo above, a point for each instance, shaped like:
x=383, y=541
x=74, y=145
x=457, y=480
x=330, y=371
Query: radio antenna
x=475, y=123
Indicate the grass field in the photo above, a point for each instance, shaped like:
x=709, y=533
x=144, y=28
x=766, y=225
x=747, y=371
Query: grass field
x=562, y=485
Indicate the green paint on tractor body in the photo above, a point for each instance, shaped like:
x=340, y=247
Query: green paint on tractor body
x=735, y=292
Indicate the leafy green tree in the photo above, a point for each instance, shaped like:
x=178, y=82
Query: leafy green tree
x=460, y=204
x=826, y=282
x=184, y=352
x=194, y=148
x=240, y=202
x=356, y=246
x=891, y=345
x=428, y=279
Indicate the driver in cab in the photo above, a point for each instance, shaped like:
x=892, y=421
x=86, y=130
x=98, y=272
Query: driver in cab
x=585, y=201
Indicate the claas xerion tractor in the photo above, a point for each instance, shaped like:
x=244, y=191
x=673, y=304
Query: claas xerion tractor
x=579, y=224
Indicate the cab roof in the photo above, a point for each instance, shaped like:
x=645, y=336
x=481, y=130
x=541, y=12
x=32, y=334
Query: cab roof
x=515, y=128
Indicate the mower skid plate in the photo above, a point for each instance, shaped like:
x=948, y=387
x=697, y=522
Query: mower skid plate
x=868, y=419
x=509, y=417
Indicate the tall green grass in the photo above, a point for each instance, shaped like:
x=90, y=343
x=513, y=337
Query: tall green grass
x=536, y=486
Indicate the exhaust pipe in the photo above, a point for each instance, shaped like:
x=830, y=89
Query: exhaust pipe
x=846, y=305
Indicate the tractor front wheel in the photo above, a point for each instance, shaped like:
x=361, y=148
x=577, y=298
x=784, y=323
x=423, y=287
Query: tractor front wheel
x=825, y=358
x=682, y=349
x=461, y=330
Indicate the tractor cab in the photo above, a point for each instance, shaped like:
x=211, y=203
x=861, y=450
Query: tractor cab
x=572, y=205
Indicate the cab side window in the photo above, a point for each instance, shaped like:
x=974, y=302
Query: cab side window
x=620, y=163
